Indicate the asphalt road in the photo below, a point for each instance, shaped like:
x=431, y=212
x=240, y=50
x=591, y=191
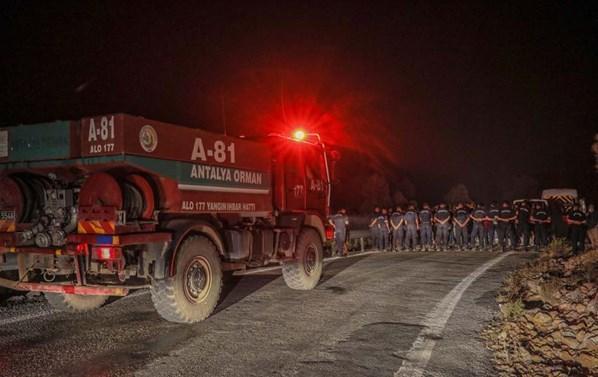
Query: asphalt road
x=387, y=314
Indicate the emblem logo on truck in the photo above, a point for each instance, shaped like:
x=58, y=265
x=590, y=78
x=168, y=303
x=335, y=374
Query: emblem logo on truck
x=148, y=138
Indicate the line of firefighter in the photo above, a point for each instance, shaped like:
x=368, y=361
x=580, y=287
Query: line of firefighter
x=440, y=229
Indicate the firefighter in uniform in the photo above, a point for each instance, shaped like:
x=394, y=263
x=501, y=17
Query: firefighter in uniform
x=442, y=219
x=523, y=231
x=506, y=217
x=411, y=225
x=478, y=216
x=374, y=233
x=452, y=240
x=385, y=230
x=492, y=223
x=425, y=218
x=461, y=221
x=340, y=222
x=577, y=221
x=539, y=218
x=396, y=225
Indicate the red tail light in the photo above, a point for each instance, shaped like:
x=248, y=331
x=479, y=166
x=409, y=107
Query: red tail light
x=81, y=249
x=329, y=232
x=106, y=253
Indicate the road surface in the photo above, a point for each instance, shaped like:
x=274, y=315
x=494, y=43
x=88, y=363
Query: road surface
x=383, y=314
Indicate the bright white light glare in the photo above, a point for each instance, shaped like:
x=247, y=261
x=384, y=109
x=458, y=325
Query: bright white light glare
x=299, y=135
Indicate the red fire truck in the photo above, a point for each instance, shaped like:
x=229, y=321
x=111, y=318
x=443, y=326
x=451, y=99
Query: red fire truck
x=107, y=204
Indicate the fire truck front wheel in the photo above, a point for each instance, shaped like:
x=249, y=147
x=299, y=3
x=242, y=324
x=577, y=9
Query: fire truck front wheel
x=304, y=271
x=193, y=292
x=75, y=303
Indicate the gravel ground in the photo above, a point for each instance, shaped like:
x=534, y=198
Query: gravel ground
x=360, y=321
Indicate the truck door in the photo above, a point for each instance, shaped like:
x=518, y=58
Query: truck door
x=294, y=180
x=315, y=179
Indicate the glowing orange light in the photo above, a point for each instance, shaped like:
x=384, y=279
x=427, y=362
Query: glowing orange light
x=299, y=135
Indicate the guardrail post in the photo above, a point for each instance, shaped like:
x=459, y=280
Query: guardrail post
x=361, y=244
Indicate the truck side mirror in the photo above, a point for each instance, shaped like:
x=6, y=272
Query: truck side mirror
x=334, y=156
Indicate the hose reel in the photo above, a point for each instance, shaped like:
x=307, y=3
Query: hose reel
x=133, y=194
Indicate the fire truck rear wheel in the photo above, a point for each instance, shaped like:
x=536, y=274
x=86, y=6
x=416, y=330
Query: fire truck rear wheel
x=192, y=294
x=305, y=270
x=75, y=303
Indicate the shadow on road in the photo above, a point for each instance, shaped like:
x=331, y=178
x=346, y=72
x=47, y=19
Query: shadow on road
x=236, y=288
x=334, y=268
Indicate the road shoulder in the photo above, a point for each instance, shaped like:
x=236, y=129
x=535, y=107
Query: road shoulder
x=461, y=351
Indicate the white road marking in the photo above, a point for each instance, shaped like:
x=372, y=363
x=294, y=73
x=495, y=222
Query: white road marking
x=420, y=352
x=354, y=255
x=326, y=260
x=25, y=317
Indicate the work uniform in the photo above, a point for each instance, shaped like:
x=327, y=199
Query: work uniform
x=340, y=222
x=442, y=217
x=577, y=233
x=374, y=232
x=492, y=225
x=410, y=229
x=478, y=231
x=452, y=241
x=539, y=218
x=461, y=235
x=397, y=229
x=523, y=231
x=382, y=226
x=505, y=228
x=425, y=230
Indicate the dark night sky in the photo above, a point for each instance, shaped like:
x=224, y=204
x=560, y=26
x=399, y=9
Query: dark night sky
x=444, y=93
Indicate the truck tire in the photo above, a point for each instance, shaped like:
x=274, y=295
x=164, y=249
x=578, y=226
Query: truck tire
x=193, y=292
x=305, y=270
x=75, y=303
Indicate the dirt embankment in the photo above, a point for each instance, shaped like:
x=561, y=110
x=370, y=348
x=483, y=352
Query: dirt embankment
x=548, y=325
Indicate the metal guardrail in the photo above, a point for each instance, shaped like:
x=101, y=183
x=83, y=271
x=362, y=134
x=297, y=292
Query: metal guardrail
x=359, y=239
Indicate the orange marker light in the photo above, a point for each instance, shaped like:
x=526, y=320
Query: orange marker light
x=299, y=135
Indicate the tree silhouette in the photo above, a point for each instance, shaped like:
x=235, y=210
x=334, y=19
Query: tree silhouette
x=398, y=198
x=376, y=192
x=457, y=194
x=407, y=187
